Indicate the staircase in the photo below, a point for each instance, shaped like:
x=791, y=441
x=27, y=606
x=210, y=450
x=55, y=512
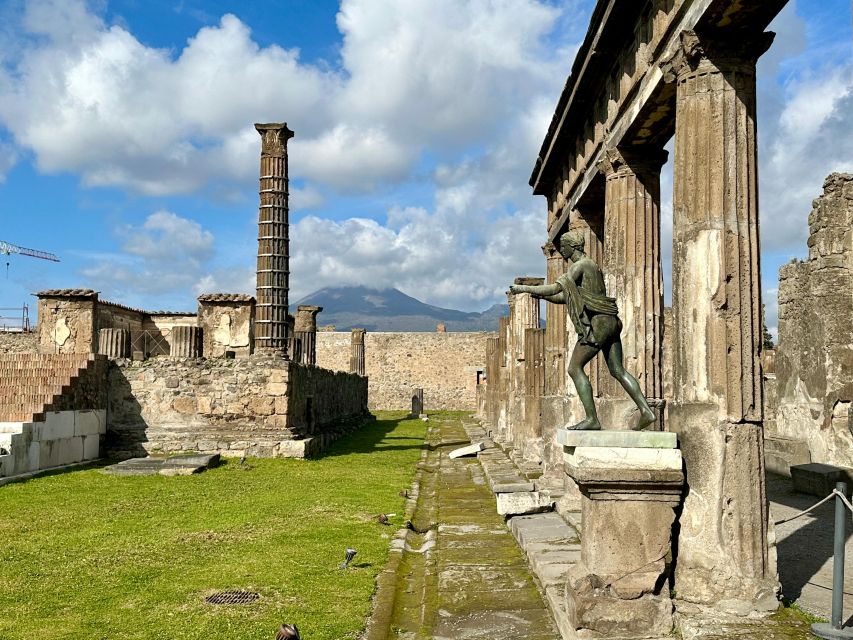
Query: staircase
x=52, y=410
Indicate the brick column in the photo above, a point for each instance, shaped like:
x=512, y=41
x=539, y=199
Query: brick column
x=273, y=270
x=356, y=361
x=717, y=409
x=631, y=262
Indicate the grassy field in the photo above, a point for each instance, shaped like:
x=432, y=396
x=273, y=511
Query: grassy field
x=90, y=556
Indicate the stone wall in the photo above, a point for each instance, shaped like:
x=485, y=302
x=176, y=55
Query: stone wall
x=814, y=359
x=18, y=342
x=256, y=406
x=444, y=365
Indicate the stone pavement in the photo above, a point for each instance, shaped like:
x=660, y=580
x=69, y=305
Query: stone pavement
x=457, y=573
x=804, y=549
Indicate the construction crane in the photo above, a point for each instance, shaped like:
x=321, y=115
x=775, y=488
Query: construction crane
x=8, y=249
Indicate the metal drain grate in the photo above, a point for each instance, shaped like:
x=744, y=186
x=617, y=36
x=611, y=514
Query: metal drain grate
x=232, y=597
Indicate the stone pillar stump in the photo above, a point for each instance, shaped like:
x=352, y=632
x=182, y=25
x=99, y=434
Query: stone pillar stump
x=114, y=343
x=630, y=483
x=186, y=342
x=356, y=361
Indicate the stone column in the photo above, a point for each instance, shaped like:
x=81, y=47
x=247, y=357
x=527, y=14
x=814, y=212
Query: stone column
x=306, y=331
x=632, y=263
x=356, y=360
x=556, y=337
x=273, y=270
x=114, y=343
x=186, y=342
x=723, y=555
x=523, y=315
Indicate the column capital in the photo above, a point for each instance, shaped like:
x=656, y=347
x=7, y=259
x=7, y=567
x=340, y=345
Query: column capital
x=714, y=52
x=621, y=161
x=274, y=137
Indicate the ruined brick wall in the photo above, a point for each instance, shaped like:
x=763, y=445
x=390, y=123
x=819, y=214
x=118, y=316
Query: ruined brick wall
x=814, y=358
x=255, y=406
x=116, y=316
x=444, y=365
x=18, y=342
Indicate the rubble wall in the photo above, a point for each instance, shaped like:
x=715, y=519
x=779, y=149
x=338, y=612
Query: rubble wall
x=256, y=406
x=444, y=365
x=814, y=358
x=18, y=342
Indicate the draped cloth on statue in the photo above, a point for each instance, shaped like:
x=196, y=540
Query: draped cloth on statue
x=583, y=305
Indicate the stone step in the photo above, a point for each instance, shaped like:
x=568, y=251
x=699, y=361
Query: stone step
x=622, y=439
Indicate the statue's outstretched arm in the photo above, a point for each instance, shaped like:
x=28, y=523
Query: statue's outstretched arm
x=557, y=298
x=537, y=291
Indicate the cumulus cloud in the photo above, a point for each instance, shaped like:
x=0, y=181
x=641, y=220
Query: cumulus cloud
x=167, y=254
x=88, y=97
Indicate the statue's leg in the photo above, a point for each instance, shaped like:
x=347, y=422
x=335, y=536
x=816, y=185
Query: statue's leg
x=581, y=355
x=613, y=356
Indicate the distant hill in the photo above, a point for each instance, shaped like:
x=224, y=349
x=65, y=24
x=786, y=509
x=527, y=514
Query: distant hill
x=393, y=310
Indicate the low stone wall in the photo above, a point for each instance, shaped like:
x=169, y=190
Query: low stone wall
x=254, y=406
x=444, y=365
x=18, y=342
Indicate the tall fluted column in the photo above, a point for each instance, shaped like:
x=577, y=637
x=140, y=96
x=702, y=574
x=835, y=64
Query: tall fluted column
x=723, y=550
x=356, y=362
x=273, y=268
x=556, y=317
x=632, y=262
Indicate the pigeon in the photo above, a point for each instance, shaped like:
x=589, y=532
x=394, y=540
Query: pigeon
x=287, y=632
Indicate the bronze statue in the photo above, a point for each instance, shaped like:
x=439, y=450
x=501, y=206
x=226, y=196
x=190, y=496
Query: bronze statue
x=596, y=319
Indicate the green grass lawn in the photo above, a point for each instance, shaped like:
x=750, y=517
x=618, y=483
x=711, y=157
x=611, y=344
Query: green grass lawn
x=91, y=556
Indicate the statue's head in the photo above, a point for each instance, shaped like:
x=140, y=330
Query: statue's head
x=570, y=242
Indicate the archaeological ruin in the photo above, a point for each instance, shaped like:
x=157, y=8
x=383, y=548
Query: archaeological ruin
x=645, y=73
x=236, y=377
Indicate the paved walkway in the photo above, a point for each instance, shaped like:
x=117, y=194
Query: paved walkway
x=458, y=573
x=804, y=549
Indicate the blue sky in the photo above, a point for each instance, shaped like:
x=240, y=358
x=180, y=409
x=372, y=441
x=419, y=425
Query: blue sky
x=127, y=147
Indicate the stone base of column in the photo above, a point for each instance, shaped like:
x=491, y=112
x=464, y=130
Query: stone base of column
x=623, y=411
x=630, y=482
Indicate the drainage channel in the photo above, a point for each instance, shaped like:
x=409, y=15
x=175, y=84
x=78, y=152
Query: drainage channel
x=456, y=571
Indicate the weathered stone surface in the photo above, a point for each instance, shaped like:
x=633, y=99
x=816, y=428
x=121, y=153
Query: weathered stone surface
x=470, y=450
x=444, y=365
x=257, y=405
x=513, y=487
x=630, y=439
x=780, y=454
x=814, y=360
x=614, y=617
x=522, y=503
x=174, y=466
x=227, y=323
x=818, y=479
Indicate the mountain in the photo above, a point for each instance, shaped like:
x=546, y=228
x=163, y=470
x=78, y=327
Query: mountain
x=393, y=310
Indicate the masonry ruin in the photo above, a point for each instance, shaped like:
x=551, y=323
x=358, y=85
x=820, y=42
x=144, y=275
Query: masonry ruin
x=645, y=73
x=236, y=377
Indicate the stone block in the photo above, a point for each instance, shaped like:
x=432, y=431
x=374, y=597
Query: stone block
x=49, y=454
x=56, y=426
x=624, y=465
x=818, y=479
x=619, y=439
x=512, y=487
x=598, y=610
x=91, y=447
x=87, y=423
x=522, y=503
x=71, y=450
x=780, y=454
x=470, y=450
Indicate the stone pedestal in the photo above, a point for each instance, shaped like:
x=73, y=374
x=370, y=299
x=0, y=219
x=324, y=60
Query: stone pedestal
x=630, y=483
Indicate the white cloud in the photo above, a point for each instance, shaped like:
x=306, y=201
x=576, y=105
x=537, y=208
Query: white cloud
x=89, y=98
x=167, y=254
